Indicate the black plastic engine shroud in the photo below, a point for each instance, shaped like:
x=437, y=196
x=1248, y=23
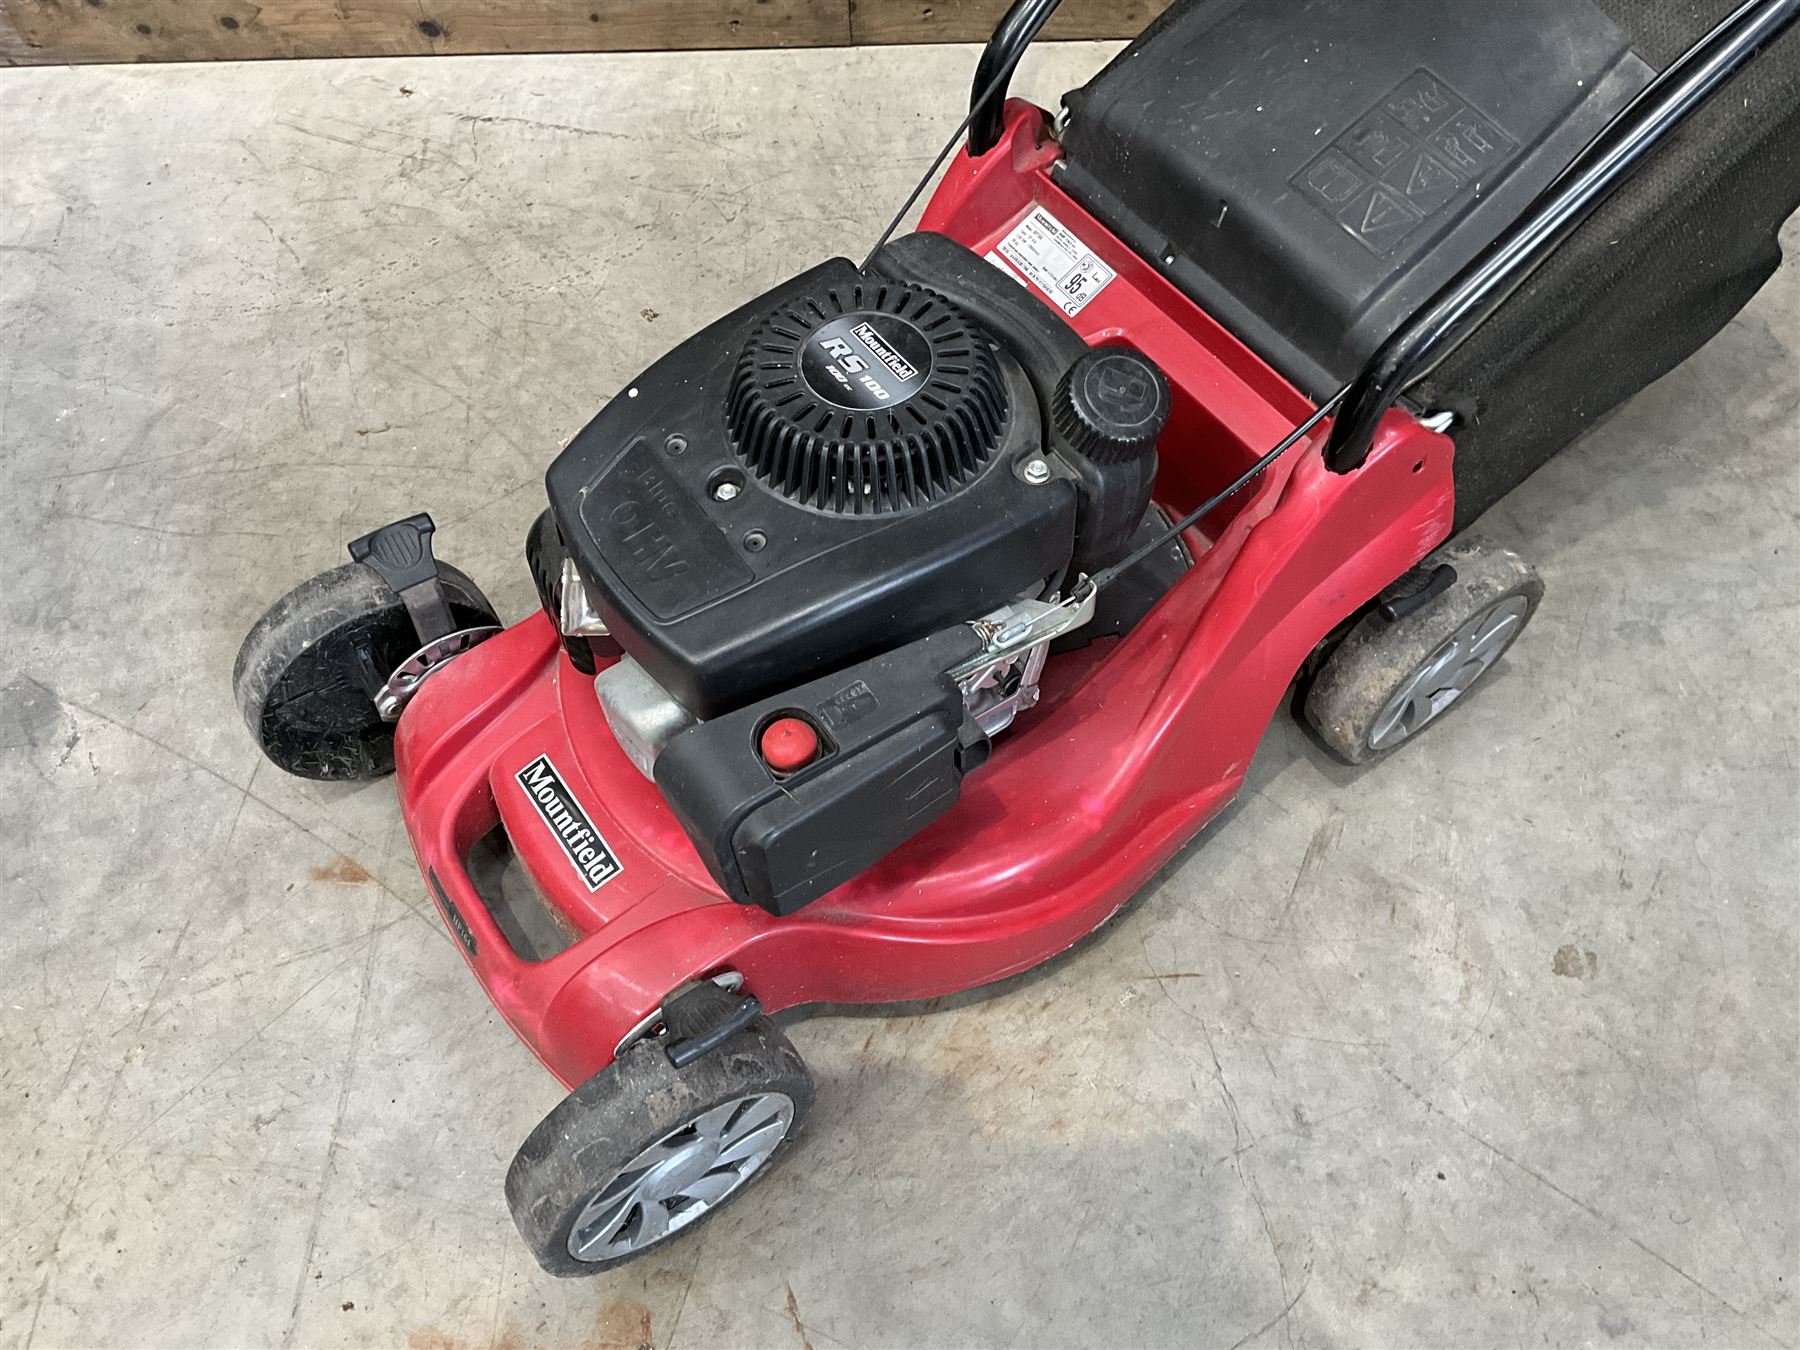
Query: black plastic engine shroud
x=739, y=544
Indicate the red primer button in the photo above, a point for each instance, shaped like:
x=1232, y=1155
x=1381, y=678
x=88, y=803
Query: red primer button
x=789, y=744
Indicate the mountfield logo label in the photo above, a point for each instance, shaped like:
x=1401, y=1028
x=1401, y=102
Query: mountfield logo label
x=901, y=368
x=593, y=859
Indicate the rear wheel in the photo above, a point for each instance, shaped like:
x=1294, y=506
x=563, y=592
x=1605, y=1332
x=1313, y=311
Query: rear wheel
x=644, y=1151
x=1389, y=679
x=307, y=672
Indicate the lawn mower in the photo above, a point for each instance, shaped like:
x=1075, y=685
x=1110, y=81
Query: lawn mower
x=900, y=625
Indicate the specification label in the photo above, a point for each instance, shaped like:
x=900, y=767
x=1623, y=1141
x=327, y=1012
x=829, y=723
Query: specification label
x=1048, y=255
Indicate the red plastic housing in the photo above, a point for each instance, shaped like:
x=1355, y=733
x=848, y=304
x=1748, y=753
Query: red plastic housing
x=1138, y=741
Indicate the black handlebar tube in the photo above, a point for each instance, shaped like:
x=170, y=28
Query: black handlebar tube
x=1414, y=352
x=987, y=98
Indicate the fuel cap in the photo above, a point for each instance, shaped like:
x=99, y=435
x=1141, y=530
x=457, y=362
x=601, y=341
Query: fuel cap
x=1112, y=405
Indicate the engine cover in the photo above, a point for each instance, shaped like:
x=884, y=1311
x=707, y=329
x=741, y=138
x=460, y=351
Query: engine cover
x=822, y=475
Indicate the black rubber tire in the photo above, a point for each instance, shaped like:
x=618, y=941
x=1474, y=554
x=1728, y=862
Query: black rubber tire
x=544, y=554
x=619, y=1112
x=1376, y=657
x=298, y=679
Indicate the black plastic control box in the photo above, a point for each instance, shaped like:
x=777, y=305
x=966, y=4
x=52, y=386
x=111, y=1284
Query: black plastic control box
x=895, y=743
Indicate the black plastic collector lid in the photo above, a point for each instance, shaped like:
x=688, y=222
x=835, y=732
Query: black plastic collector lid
x=1311, y=172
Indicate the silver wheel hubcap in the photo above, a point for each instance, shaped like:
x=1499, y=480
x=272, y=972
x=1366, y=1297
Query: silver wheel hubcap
x=686, y=1173
x=1447, y=673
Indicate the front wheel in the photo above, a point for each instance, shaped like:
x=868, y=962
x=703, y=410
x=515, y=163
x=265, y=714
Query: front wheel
x=307, y=672
x=644, y=1151
x=1389, y=679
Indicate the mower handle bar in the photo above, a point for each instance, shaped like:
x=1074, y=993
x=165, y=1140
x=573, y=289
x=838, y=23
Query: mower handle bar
x=1001, y=56
x=1450, y=317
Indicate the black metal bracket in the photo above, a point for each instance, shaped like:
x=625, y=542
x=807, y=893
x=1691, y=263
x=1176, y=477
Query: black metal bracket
x=701, y=1018
x=1613, y=156
x=1414, y=591
x=1001, y=56
x=400, y=554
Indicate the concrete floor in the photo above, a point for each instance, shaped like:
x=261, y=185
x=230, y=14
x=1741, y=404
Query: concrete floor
x=1495, y=1044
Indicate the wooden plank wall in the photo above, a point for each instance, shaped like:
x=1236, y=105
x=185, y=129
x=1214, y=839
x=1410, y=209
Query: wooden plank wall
x=52, y=32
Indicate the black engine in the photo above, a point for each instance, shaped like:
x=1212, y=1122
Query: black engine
x=847, y=463
x=854, y=467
